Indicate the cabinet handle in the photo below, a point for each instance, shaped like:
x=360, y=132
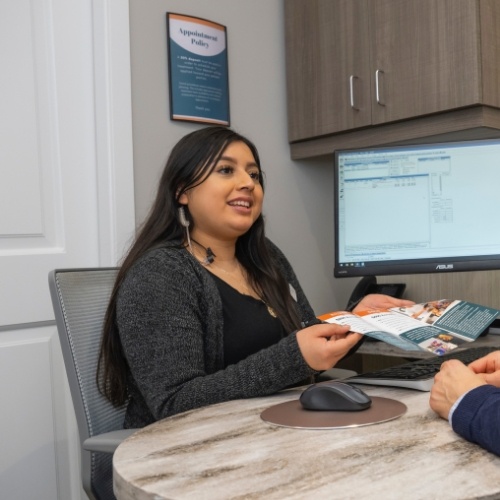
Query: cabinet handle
x=351, y=91
x=377, y=86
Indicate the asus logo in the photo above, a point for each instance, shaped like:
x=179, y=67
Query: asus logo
x=443, y=267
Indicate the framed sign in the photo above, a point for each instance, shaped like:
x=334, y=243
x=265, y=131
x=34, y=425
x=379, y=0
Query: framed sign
x=198, y=71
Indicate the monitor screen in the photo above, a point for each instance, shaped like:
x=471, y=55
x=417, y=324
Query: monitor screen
x=417, y=209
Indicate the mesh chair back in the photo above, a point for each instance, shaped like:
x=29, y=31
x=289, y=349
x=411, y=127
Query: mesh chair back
x=80, y=298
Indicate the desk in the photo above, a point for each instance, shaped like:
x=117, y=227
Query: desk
x=226, y=451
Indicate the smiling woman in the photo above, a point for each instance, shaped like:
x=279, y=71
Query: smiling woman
x=234, y=193
x=205, y=308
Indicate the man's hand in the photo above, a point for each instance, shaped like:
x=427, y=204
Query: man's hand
x=453, y=380
x=488, y=367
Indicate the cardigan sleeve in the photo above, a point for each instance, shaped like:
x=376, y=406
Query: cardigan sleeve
x=477, y=417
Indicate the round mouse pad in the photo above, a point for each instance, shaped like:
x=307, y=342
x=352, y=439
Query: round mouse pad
x=292, y=414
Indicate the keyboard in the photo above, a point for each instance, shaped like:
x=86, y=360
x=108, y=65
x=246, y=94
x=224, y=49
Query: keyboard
x=418, y=374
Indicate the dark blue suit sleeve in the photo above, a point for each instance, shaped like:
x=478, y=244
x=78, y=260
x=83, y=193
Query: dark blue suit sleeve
x=477, y=417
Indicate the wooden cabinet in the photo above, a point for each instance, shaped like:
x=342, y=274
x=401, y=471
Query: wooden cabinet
x=328, y=66
x=364, y=72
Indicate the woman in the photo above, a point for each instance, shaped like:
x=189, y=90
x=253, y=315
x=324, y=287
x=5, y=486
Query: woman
x=205, y=309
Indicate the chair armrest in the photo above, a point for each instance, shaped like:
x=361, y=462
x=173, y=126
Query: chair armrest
x=107, y=442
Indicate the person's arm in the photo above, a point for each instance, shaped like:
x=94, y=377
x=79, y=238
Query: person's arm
x=321, y=357
x=477, y=417
x=170, y=322
x=476, y=404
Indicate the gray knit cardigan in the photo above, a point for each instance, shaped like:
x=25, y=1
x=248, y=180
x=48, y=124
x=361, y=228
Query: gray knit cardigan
x=169, y=317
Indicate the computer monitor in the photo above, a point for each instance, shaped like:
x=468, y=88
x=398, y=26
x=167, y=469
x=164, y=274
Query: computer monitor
x=426, y=208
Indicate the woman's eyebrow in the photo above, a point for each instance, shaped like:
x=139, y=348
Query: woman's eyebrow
x=233, y=160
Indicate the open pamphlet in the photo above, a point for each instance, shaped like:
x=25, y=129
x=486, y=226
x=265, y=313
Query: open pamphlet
x=438, y=326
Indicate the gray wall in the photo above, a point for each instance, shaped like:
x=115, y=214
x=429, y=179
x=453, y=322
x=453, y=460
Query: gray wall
x=298, y=205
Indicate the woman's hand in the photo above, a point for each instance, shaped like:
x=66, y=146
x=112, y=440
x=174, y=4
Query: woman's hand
x=323, y=345
x=380, y=301
x=453, y=380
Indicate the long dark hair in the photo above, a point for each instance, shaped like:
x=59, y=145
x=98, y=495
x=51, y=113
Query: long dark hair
x=190, y=162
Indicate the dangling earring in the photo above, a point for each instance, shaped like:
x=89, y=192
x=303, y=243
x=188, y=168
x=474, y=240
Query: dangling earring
x=184, y=221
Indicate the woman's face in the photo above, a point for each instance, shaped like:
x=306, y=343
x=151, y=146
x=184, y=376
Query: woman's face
x=229, y=200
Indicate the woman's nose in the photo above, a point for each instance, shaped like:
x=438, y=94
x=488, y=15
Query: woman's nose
x=245, y=181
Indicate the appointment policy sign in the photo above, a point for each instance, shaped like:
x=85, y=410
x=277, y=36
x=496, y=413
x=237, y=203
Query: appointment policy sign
x=198, y=70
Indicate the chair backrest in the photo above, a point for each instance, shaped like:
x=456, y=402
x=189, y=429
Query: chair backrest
x=80, y=298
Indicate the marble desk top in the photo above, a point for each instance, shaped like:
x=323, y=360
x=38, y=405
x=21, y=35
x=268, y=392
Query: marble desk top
x=227, y=451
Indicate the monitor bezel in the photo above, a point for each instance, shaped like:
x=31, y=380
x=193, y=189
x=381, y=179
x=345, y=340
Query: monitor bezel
x=411, y=266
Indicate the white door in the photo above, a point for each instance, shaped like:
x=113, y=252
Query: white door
x=66, y=200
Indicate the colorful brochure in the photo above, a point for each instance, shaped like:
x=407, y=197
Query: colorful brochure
x=438, y=326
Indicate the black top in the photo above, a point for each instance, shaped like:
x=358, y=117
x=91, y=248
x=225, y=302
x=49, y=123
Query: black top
x=248, y=325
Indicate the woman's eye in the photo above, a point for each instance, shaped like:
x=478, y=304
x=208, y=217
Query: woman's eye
x=228, y=170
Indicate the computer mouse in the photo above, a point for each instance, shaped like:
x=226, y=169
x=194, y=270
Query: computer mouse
x=334, y=395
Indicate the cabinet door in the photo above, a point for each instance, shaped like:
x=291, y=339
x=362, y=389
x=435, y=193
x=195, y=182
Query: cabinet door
x=425, y=57
x=328, y=75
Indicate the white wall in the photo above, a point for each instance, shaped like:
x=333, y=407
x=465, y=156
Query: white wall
x=298, y=204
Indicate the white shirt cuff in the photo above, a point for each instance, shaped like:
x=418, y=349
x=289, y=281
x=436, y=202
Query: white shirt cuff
x=454, y=407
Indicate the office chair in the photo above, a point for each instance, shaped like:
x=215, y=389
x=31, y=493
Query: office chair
x=80, y=298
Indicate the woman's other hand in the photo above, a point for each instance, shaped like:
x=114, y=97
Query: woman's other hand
x=380, y=301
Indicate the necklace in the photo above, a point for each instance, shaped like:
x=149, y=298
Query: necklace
x=270, y=310
x=244, y=284
x=237, y=275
